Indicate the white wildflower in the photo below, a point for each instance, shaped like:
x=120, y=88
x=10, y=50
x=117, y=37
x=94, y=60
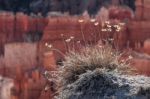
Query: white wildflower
x=96, y=23
x=93, y=20
x=68, y=40
x=71, y=37
x=80, y=20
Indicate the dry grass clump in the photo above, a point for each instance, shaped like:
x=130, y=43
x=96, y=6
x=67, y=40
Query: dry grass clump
x=91, y=73
x=90, y=58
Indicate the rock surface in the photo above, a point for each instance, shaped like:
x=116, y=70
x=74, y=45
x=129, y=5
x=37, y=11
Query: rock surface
x=104, y=85
x=5, y=88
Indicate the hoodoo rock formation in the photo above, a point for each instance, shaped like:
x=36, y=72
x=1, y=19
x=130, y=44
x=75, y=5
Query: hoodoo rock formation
x=20, y=28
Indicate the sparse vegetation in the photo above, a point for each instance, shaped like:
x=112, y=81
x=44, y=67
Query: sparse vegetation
x=91, y=67
x=90, y=58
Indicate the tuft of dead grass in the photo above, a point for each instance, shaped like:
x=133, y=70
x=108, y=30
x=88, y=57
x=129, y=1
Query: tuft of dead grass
x=91, y=58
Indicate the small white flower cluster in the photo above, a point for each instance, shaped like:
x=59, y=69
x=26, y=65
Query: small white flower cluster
x=118, y=28
x=108, y=27
x=96, y=23
x=93, y=20
x=48, y=45
x=80, y=20
x=69, y=39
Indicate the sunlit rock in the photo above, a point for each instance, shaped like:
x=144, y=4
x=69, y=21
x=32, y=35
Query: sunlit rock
x=6, y=86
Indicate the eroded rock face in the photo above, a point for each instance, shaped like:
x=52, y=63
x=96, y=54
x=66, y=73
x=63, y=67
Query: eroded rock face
x=147, y=46
x=121, y=13
x=141, y=62
x=142, y=9
x=138, y=32
x=20, y=54
x=20, y=28
x=6, y=85
x=94, y=85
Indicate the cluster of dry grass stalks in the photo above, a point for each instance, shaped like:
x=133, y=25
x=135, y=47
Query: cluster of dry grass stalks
x=91, y=58
x=99, y=58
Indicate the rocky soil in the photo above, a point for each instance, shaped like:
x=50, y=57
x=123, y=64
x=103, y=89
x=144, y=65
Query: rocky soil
x=108, y=85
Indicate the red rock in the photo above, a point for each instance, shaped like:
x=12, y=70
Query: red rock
x=53, y=33
x=46, y=95
x=9, y=26
x=2, y=25
x=24, y=53
x=147, y=46
x=142, y=66
x=120, y=13
x=139, y=31
x=21, y=22
x=138, y=2
x=142, y=9
x=21, y=26
x=59, y=26
x=27, y=88
x=146, y=2
x=41, y=23
x=49, y=61
x=37, y=24
x=120, y=39
x=32, y=24
x=3, y=39
x=58, y=45
x=36, y=75
x=2, y=65
x=146, y=14
x=139, y=12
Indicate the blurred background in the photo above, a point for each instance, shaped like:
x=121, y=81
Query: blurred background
x=73, y=7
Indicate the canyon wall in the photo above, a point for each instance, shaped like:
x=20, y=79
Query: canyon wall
x=20, y=28
x=142, y=9
x=54, y=30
